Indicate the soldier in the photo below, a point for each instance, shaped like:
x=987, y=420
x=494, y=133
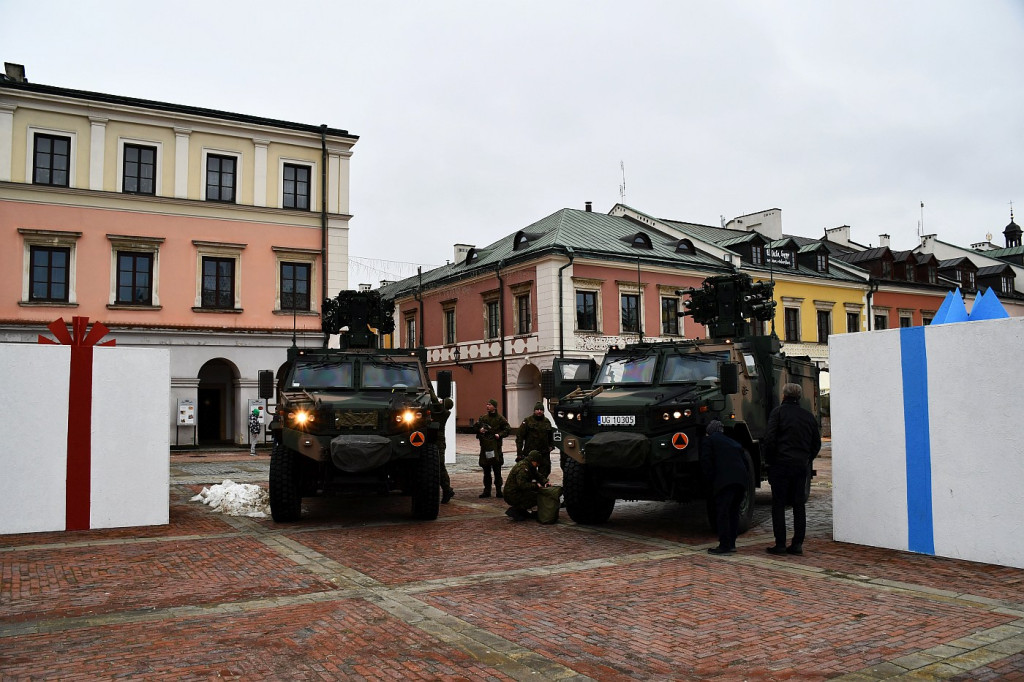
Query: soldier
x=447, y=492
x=725, y=469
x=536, y=433
x=491, y=428
x=524, y=481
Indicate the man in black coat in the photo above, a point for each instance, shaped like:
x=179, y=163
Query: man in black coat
x=791, y=443
x=725, y=468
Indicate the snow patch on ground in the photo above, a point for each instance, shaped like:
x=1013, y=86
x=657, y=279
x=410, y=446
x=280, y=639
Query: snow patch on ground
x=236, y=499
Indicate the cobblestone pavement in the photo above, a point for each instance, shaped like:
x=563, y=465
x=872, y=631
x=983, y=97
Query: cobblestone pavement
x=357, y=590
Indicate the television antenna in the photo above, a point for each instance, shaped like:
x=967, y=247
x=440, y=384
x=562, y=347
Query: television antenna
x=622, y=187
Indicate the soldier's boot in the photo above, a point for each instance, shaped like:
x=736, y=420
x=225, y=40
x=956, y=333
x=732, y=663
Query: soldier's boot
x=498, y=485
x=447, y=495
x=486, y=492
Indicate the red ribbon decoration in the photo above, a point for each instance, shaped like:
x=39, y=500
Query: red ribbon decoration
x=79, y=468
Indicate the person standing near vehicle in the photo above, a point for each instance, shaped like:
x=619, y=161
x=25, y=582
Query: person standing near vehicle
x=447, y=492
x=792, y=441
x=491, y=429
x=536, y=433
x=725, y=468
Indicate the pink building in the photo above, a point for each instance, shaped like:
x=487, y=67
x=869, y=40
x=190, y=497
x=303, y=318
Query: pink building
x=211, y=233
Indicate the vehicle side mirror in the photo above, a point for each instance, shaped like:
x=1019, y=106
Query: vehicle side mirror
x=444, y=384
x=266, y=382
x=729, y=378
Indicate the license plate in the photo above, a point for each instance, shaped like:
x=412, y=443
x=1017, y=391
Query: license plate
x=616, y=420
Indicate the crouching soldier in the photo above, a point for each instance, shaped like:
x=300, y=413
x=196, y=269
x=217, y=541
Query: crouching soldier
x=522, y=484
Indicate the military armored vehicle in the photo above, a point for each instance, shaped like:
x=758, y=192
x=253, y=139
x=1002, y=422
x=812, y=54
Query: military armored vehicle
x=358, y=419
x=631, y=428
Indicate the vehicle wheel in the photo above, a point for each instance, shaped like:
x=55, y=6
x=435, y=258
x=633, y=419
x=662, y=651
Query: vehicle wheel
x=582, y=502
x=426, y=485
x=747, y=506
x=285, y=493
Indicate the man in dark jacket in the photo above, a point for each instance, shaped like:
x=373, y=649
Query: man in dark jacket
x=791, y=443
x=523, y=484
x=536, y=433
x=491, y=429
x=726, y=470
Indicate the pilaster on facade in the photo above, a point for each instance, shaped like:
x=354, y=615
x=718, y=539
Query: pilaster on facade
x=181, y=141
x=259, y=195
x=338, y=180
x=337, y=255
x=6, y=140
x=97, y=148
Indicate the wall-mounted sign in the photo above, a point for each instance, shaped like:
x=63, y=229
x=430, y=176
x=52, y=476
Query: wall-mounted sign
x=780, y=257
x=186, y=413
x=259, y=405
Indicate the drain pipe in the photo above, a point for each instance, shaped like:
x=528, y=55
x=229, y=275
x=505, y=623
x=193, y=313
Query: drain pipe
x=323, y=209
x=561, y=304
x=872, y=288
x=501, y=333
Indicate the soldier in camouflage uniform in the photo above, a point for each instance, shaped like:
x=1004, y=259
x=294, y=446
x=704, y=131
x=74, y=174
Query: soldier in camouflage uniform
x=522, y=485
x=447, y=492
x=491, y=428
x=536, y=433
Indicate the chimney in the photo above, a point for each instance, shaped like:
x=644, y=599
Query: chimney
x=839, y=235
x=15, y=72
x=883, y=240
x=588, y=206
x=460, y=252
x=365, y=287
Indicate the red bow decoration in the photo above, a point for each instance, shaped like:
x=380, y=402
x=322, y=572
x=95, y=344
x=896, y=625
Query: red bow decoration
x=79, y=465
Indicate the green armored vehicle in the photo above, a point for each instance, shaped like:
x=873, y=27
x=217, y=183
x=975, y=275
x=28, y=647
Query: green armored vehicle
x=357, y=419
x=631, y=429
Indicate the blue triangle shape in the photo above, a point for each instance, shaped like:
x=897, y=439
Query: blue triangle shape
x=957, y=311
x=988, y=307
x=940, y=314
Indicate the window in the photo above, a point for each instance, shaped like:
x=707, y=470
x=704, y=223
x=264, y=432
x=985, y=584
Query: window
x=295, y=281
x=910, y=272
x=296, y=186
x=970, y=279
x=882, y=321
x=586, y=311
x=449, y=325
x=50, y=272
x=822, y=261
x=926, y=321
x=886, y=269
x=218, y=283
x=852, y=322
x=51, y=160
x=757, y=255
x=492, y=319
x=824, y=325
x=669, y=316
x=138, y=174
x=410, y=331
x=906, y=321
x=793, y=325
x=221, y=177
x=630, y=313
x=933, y=275
x=523, y=322
x=1005, y=284
x=134, y=278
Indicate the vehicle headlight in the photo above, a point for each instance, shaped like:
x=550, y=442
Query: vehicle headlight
x=301, y=417
x=561, y=415
x=569, y=415
x=408, y=416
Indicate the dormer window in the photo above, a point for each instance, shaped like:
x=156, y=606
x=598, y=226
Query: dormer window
x=521, y=241
x=641, y=241
x=1005, y=284
x=886, y=269
x=970, y=279
x=933, y=275
x=757, y=255
x=684, y=246
x=822, y=261
x=910, y=273
x=472, y=256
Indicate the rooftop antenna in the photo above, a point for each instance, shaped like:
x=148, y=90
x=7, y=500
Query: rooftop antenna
x=622, y=187
x=920, y=225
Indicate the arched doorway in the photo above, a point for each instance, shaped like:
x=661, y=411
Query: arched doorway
x=527, y=392
x=215, y=422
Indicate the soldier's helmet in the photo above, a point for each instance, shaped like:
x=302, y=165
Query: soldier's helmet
x=535, y=456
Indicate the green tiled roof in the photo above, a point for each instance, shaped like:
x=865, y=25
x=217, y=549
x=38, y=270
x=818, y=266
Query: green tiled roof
x=588, y=234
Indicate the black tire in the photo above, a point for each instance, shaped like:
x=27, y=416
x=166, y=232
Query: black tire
x=285, y=490
x=582, y=502
x=746, y=506
x=426, y=485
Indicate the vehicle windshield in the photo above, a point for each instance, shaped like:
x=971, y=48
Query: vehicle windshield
x=627, y=370
x=391, y=375
x=322, y=374
x=695, y=367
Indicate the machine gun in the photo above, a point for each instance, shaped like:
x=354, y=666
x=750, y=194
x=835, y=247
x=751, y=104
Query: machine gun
x=362, y=315
x=723, y=304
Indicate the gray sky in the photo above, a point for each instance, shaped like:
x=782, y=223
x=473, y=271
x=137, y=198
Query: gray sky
x=479, y=118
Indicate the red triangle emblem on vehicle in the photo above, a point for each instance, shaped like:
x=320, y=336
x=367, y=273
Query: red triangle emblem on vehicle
x=680, y=441
x=417, y=439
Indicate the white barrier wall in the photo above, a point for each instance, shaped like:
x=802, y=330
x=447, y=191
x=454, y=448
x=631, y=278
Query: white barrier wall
x=927, y=453
x=128, y=477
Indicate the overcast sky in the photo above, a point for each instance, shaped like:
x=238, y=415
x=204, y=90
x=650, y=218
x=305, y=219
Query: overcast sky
x=478, y=118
